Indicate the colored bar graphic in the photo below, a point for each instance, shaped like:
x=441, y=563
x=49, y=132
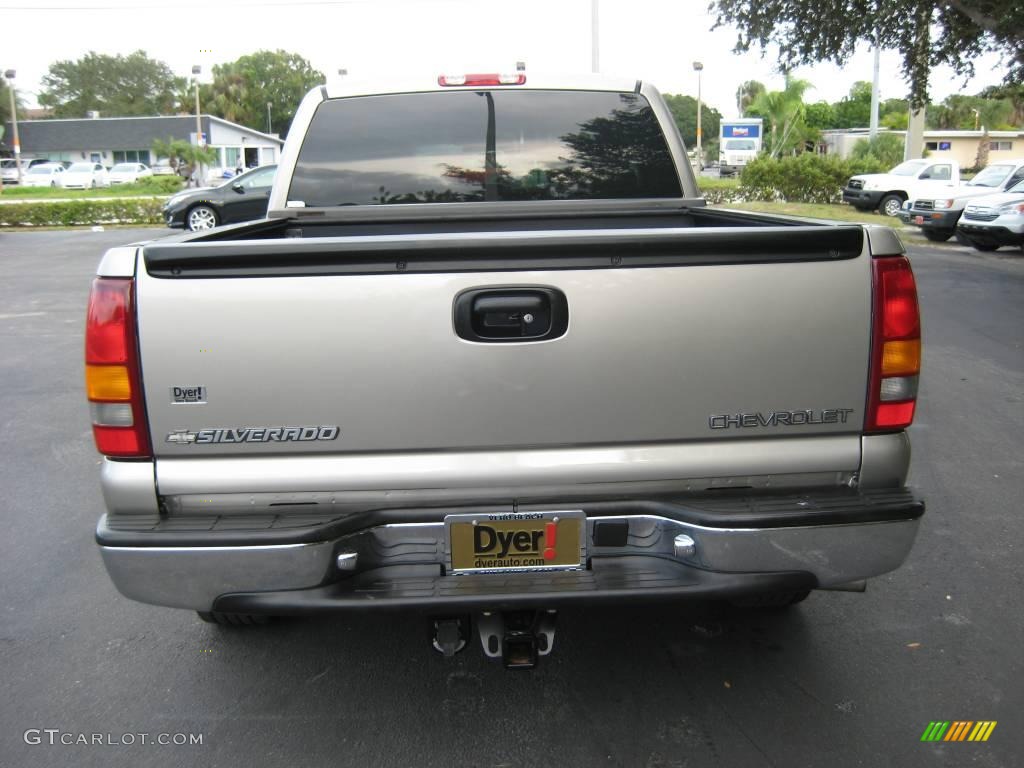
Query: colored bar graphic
x=935, y=731
x=958, y=730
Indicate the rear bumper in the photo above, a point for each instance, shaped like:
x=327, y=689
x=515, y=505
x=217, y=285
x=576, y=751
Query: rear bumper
x=740, y=545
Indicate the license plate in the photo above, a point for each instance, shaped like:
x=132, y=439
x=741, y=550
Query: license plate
x=919, y=219
x=516, y=541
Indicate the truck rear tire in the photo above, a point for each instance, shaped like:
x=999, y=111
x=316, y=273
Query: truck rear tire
x=771, y=599
x=232, y=619
x=937, y=235
x=890, y=205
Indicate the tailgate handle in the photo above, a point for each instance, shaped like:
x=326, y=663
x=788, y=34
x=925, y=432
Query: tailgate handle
x=511, y=314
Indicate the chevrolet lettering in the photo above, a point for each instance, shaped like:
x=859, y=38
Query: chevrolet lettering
x=565, y=379
x=780, y=418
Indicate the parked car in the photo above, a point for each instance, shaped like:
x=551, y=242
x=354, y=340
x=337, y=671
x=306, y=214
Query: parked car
x=9, y=171
x=242, y=198
x=85, y=176
x=162, y=169
x=9, y=167
x=911, y=179
x=938, y=216
x=994, y=220
x=129, y=173
x=43, y=175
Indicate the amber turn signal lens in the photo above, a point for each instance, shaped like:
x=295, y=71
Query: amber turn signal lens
x=108, y=383
x=901, y=358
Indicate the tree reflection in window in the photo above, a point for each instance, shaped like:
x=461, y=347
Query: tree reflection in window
x=484, y=146
x=611, y=157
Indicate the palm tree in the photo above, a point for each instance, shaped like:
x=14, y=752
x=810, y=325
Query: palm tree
x=784, y=111
x=747, y=94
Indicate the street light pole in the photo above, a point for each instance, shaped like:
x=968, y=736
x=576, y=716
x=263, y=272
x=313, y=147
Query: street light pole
x=10, y=74
x=196, y=69
x=699, y=68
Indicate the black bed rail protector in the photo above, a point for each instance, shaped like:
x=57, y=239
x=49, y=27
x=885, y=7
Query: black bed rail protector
x=503, y=251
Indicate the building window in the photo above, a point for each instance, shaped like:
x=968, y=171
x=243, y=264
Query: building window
x=131, y=156
x=1000, y=146
x=931, y=146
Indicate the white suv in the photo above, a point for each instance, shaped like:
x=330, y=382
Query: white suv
x=994, y=220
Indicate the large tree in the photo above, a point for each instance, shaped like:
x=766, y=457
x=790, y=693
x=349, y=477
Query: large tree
x=960, y=112
x=241, y=89
x=854, y=111
x=926, y=32
x=684, y=110
x=115, y=86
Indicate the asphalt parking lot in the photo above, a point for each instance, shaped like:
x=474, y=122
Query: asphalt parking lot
x=843, y=680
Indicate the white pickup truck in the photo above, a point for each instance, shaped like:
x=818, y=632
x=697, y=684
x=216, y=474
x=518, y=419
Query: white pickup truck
x=490, y=355
x=909, y=180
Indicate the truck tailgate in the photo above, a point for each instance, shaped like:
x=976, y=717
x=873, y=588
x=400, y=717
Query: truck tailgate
x=694, y=349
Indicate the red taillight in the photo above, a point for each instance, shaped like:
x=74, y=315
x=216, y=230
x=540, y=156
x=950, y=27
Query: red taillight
x=112, y=381
x=895, y=347
x=471, y=81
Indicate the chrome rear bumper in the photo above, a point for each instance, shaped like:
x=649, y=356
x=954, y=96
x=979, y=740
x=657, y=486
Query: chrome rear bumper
x=403, y=564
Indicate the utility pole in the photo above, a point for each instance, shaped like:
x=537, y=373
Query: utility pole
x=269, y=105
x=595, y=56
x=699, y=68
x=873, y=130
x=10, y=74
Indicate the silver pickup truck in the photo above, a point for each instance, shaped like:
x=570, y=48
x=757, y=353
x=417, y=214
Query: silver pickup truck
x=491, y=355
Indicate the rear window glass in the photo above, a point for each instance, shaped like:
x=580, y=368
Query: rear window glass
x=470, y=146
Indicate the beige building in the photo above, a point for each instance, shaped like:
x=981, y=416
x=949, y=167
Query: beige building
x=961, y=146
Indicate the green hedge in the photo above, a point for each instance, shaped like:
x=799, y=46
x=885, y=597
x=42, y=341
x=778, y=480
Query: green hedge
x=158, y=185
x=82, y=212
x=805, y=178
